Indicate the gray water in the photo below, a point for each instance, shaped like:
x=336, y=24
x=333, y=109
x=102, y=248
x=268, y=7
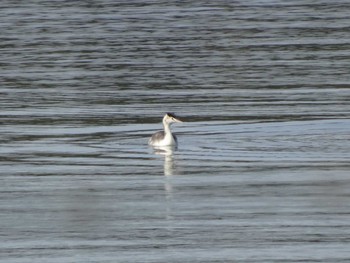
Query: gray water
x=261, y=173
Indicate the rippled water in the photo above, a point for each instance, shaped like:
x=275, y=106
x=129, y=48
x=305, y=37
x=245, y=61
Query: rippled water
x=261, y=173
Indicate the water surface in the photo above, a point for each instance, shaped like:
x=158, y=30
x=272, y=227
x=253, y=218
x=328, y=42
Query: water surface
x=261, y=173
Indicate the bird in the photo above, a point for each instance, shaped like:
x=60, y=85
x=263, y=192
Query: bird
x=166, y=137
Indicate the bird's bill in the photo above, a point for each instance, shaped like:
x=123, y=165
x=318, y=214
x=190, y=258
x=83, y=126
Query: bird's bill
x=176, y=119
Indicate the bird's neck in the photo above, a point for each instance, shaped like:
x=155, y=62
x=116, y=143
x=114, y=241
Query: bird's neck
x=166, y=128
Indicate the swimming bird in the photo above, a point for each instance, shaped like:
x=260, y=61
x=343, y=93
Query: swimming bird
x=165, y=138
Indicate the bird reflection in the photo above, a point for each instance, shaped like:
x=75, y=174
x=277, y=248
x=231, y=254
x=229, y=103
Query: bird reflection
x=168, y=153
x=169, y=170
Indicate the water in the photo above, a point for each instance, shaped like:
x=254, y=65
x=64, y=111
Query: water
x=261, y=173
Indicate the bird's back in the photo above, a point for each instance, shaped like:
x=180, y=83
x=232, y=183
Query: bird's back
x=158, y=138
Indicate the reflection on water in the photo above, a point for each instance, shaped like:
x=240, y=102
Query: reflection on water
x=261, y=173
x=168, y=153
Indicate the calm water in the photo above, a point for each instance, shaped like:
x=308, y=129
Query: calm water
x=261, y=173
